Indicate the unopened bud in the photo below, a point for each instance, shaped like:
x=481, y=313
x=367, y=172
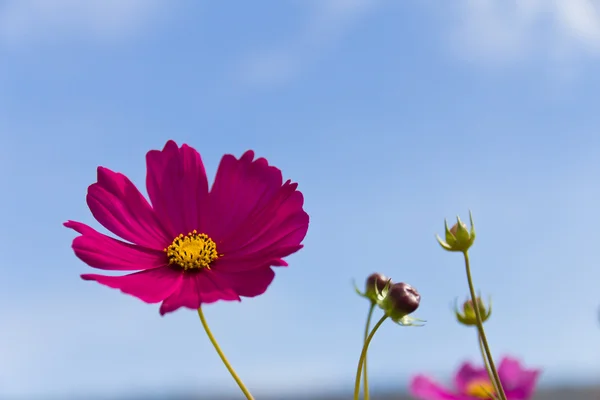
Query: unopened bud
x=455, y=228
x=376, y=287
x=468, y=316
x=458, y=238
x=400, y=301
x=376, y=284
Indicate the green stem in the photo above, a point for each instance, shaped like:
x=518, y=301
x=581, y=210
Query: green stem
x=480, y=330
x=365, y=377
x=223, y=358
x=363, y=354
x=486, y=363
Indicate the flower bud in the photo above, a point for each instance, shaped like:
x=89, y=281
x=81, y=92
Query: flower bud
x=376, y=284
x=376, y=287
x=468, y=316
x=401, y=300
x=458, y=238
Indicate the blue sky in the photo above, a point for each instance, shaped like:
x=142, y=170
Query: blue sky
x=391, y=116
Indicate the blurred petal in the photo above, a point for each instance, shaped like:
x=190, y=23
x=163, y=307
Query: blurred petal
x=425, y=388
x=526, y=386
x=518, y=383
x=468, y=373
x=509, y=371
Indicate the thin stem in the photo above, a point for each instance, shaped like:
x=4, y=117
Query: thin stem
x=486, y=363
x=363, y=355
x=480, y=330
x=222, y=355
x=365, y=377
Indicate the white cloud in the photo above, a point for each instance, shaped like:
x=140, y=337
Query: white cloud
x=496, y=32
x=499, y=31
x=35, y=20
x=328, y=21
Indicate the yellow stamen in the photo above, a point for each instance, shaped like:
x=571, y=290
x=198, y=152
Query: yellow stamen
x=192, y=251
x=482, y=389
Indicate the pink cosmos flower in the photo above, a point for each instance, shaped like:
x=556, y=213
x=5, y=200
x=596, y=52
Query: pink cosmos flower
x=192, y=245
x=473, y=383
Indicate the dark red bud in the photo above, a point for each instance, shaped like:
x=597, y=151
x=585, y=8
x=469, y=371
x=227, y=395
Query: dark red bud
x=376, y=280
x=404, y=298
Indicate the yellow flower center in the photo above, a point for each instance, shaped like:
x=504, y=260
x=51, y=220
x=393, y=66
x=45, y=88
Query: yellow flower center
x=192, y=251
x=482, y=389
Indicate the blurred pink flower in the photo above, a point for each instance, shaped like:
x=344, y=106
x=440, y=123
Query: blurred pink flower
x=473, y=383
x=192, y=245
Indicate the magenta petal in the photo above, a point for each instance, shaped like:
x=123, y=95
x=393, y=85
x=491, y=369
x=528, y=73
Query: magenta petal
x=283, y=225
x=281, y=221
x=178, y=187
x=197, y=288
x=248, y=283
x=425, y=388
x=261, y=227
x=510, y=371
x=277, y=239
x=241, y=264
x=283, y=263
x=254, y=219
x=467, y=374
x=518, y=383
x=119, y=206
x=258, y=182
x=151, y=286
x=103, y=252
